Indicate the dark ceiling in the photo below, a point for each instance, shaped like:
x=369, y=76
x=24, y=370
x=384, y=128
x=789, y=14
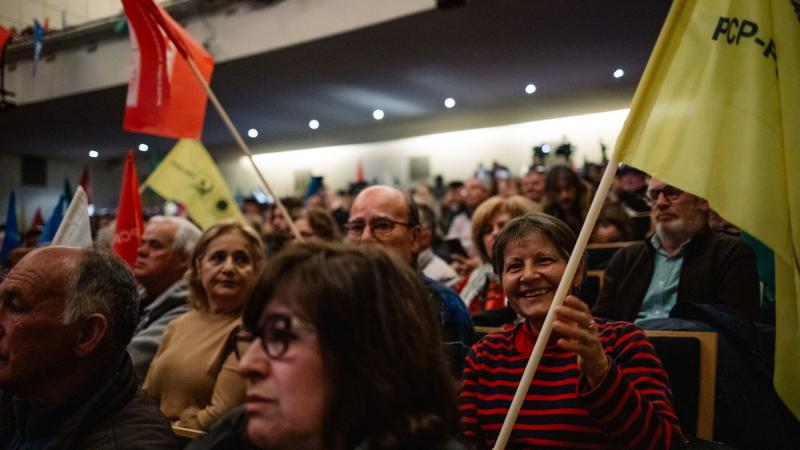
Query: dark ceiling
x=482, y=54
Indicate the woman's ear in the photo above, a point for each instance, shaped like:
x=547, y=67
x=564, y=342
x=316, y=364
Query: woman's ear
x=91, y=332
x=579, y=275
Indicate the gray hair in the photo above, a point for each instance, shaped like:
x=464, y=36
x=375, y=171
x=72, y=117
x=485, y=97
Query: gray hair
x=427, y=218
x=104, y=284
x=550, y=228
x=186, y=235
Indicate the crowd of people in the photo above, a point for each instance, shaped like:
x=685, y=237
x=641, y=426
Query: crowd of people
x=362, y=336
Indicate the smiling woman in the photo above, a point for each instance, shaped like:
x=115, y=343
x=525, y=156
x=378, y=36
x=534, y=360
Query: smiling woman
x=599, y=384
x=194, y=376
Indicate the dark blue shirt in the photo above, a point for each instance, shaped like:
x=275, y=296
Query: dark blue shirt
x=457, y=329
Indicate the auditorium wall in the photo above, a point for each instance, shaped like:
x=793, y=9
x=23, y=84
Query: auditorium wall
x=454, y=155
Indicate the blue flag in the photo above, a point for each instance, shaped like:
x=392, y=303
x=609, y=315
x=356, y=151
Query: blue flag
x=314, y=185
x=50, y=228
x=12, y=240
x=38, y=39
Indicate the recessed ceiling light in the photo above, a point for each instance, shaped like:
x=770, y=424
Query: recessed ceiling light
x=449, y=102
x=252, y=132
x=619, y=73
x=313, y=124
x=143, y=147
x=530, y=89
x=377, y=114
x=93, y=154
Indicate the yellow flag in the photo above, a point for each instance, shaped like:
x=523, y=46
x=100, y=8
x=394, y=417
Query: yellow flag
x=717, y=113
x=188, y=175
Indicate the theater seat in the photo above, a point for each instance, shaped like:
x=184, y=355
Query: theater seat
x=690, y=359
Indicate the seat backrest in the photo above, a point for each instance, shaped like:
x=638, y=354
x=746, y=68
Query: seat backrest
x=690, y=359
x=591, y=286
x=598, y=255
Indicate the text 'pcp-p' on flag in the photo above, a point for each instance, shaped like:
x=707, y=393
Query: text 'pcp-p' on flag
x=716, y=114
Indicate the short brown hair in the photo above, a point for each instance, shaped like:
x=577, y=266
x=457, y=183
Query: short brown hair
x=515, y=205
x=378, y=339
x=197, y=294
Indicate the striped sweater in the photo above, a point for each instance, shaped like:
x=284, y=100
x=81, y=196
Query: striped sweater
x=630, y=408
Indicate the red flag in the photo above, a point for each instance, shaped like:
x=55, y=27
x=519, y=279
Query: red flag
x=129, y=215
x=37, y=221
x=4, y=35
x=360, y=172
x=164, y=98
x=87, y=187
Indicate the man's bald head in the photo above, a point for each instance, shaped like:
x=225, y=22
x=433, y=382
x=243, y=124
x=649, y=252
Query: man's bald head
x=59, y=309
x=386, y=216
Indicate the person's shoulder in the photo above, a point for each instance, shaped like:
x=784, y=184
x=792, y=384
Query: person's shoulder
x=138, y=424
x=633, y=248
x=226, y=434
x=443, y=292
x=190, y=316
x=502, y=340
x=730, y=244
x=628, y=254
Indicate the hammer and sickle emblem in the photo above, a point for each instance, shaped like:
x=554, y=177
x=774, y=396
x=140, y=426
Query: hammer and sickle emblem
x=203, y=186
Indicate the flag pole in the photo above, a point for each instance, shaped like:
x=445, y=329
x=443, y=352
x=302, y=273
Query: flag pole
x=242, y=145
x=561, y=293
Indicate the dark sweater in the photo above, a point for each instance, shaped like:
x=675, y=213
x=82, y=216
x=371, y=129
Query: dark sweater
x=716, y=269
x=109, y=413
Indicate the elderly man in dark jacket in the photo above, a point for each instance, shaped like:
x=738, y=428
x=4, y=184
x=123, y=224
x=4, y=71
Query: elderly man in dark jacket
x=66, y=381
x=683, y=261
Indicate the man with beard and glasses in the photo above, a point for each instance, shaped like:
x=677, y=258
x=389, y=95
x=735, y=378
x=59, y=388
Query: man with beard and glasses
x=683, y=261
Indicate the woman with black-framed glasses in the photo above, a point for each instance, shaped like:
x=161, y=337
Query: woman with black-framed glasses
x=345, y=354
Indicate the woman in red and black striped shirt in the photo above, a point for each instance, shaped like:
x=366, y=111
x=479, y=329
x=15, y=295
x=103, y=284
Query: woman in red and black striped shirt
x=599, y=385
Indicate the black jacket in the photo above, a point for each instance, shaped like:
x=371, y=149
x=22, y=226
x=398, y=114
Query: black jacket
x=716, y=269
x=111, y=413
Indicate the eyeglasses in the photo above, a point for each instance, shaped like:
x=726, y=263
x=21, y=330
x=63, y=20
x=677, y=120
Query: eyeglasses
x=671, y=193
x=276, y=334
x=381, y=227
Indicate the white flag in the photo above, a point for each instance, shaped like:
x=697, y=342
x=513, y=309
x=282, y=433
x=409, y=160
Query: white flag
x=74, y=230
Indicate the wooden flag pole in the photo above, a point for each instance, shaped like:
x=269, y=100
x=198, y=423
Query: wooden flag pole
x=242, y=145
x=561, y=293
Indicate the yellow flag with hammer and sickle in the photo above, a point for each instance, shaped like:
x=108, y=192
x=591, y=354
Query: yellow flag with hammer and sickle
x=188, y=175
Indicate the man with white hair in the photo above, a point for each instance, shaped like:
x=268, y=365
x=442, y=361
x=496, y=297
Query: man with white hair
x=66, y=381
x=164, y=256
x=684, y=261
x=475, y=192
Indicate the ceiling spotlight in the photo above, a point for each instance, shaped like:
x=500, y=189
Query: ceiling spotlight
x=377, y=114
x=449, y=102
x=252, y=132
x=530, y=89
x=313, y=124
x=619, y=73
x=93, y=154
x=143, y=147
